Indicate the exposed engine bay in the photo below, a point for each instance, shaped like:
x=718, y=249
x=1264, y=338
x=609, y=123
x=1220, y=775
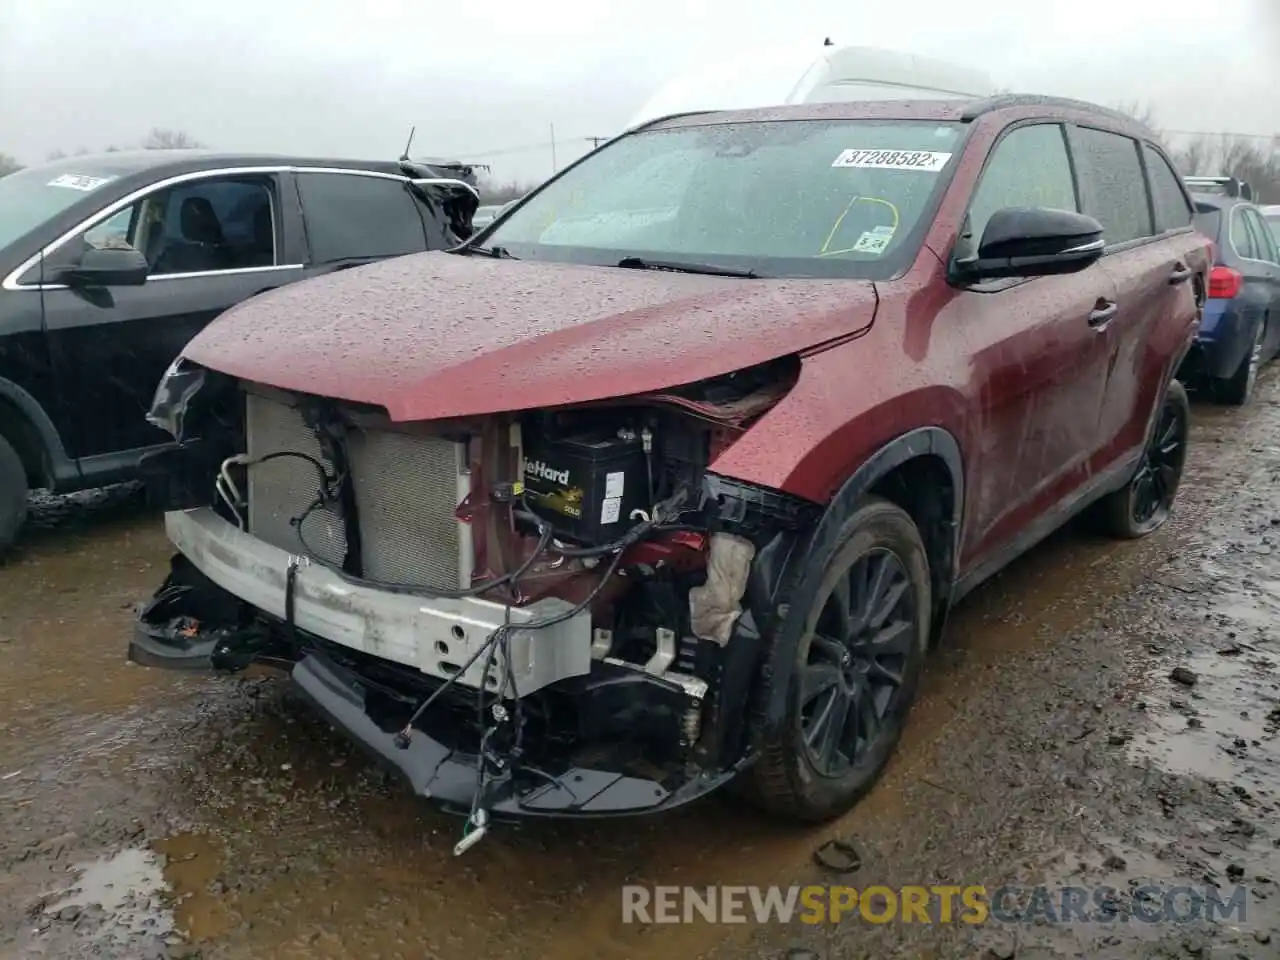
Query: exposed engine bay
x=567, y=606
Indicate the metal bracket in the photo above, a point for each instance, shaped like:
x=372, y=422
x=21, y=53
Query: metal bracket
x=664, y=655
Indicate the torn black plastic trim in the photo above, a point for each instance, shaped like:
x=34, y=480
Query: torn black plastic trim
x=180, y=383
x=449, y=776
x=753, y=511
x=191, y=623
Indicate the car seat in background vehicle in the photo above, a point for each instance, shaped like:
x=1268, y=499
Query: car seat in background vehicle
x=202, y=245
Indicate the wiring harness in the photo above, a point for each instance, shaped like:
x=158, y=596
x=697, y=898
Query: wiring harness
x=492, y=715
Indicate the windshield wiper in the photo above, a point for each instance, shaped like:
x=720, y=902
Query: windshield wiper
x=676, y=266
x=498, y=253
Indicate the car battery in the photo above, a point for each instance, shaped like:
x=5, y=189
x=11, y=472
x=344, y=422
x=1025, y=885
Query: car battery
x=586, y=484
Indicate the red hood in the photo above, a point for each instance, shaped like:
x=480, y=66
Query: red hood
x=437, y=335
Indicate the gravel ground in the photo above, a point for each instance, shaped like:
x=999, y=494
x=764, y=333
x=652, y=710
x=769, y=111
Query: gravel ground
x=145, y=814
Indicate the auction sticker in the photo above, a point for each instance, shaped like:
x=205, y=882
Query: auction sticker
x=874, y=241
x=927, y=160
x=76, y=182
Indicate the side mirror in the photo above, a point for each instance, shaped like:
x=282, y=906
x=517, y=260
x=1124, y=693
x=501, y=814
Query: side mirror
x=107, y=267
x=1034, y=242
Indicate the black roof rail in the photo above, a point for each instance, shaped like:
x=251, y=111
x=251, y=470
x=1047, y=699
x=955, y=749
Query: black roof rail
x=1231, y=186
x=1003, y=100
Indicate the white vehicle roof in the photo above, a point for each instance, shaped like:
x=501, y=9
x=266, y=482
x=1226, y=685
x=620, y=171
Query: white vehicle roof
x=1272, y=210
x=799, y=75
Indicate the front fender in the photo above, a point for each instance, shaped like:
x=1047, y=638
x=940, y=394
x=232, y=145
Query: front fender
x=806, y=566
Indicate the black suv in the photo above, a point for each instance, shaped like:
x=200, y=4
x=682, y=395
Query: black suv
x=110, y=264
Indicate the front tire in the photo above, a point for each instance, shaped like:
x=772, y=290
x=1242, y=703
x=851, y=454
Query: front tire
x=1143, y=504
x=857, y=652
x=13, y=495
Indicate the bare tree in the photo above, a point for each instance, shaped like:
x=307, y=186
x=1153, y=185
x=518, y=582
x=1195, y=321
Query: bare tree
x=8, y=165
x=1196, y=158
x=161, y=138
x=1144, y=114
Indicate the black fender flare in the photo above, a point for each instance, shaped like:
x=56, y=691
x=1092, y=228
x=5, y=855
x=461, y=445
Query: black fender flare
x=923, y=441
x=56, y=453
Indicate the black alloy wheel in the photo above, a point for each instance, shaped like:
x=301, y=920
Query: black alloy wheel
x=856, y=663
x=849, y=651
x=1146, y=501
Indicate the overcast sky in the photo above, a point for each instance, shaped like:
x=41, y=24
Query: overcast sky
x=331, y=77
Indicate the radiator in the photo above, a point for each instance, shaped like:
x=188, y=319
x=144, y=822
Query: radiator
x=407, y=489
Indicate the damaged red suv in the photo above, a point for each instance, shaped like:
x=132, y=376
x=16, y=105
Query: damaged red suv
x=669, y=477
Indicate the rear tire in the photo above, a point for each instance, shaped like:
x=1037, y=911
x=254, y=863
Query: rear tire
x=13, y=495
x=856, y=652
x=1143, y=504
x=1238, y=389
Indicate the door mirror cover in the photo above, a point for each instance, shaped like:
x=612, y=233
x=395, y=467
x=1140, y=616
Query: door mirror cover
x=1034, y=242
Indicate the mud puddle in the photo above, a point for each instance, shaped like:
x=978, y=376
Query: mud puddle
x=1045, y=748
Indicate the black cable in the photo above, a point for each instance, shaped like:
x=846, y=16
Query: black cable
x=325, y=479
x=402, y=738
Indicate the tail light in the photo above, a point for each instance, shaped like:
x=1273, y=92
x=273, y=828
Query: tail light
x=1225, y=283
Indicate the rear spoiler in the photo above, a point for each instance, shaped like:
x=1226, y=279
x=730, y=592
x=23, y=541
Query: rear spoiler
x=451, y=184
x=1231, y=186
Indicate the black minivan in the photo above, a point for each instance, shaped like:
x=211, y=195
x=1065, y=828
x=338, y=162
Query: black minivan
x=110, y=264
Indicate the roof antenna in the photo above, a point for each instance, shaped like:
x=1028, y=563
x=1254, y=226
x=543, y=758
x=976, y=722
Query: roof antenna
x=405, y=155
x=827, y=42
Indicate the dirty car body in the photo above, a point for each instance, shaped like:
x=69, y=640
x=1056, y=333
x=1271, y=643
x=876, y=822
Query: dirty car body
x=670, y=476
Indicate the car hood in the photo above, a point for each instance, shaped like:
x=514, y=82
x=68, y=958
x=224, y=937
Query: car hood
x=437, y=335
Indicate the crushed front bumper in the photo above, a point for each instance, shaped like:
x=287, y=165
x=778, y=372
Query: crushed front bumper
x=233, y=567
x=434, y=635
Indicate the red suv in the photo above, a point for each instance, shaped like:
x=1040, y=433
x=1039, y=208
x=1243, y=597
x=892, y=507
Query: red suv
x=670, y=475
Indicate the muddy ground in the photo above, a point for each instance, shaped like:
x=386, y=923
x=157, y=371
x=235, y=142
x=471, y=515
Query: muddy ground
x=146, y=814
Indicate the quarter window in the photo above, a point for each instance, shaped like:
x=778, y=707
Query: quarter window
x=1171, y=206
x=1263, y=242
x=1028, y=168
x=1242, y=237
x=1113, y=188
x=353, y=217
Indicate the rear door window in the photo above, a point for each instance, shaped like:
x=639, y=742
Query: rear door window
x=1171, y=206
x=1114, y=191
x=357, y=217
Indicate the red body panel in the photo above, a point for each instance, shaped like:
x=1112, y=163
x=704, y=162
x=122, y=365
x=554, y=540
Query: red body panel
x=1039, y=400
x=434, y=336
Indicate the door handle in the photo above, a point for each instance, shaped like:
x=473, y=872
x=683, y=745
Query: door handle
x=1180, y=274
x=1103, y=313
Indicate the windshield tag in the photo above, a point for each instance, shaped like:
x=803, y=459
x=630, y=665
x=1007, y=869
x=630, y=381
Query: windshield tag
x=873, y=241
x=73, y=181
x=927, y=160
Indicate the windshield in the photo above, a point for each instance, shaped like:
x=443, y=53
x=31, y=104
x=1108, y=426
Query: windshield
x=815, y=198
x=1273, y=221
x=30, y=197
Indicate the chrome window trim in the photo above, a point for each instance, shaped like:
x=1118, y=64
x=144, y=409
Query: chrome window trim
x=10, y=282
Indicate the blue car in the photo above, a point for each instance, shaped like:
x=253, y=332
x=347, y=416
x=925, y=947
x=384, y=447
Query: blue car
x=1241, y=327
